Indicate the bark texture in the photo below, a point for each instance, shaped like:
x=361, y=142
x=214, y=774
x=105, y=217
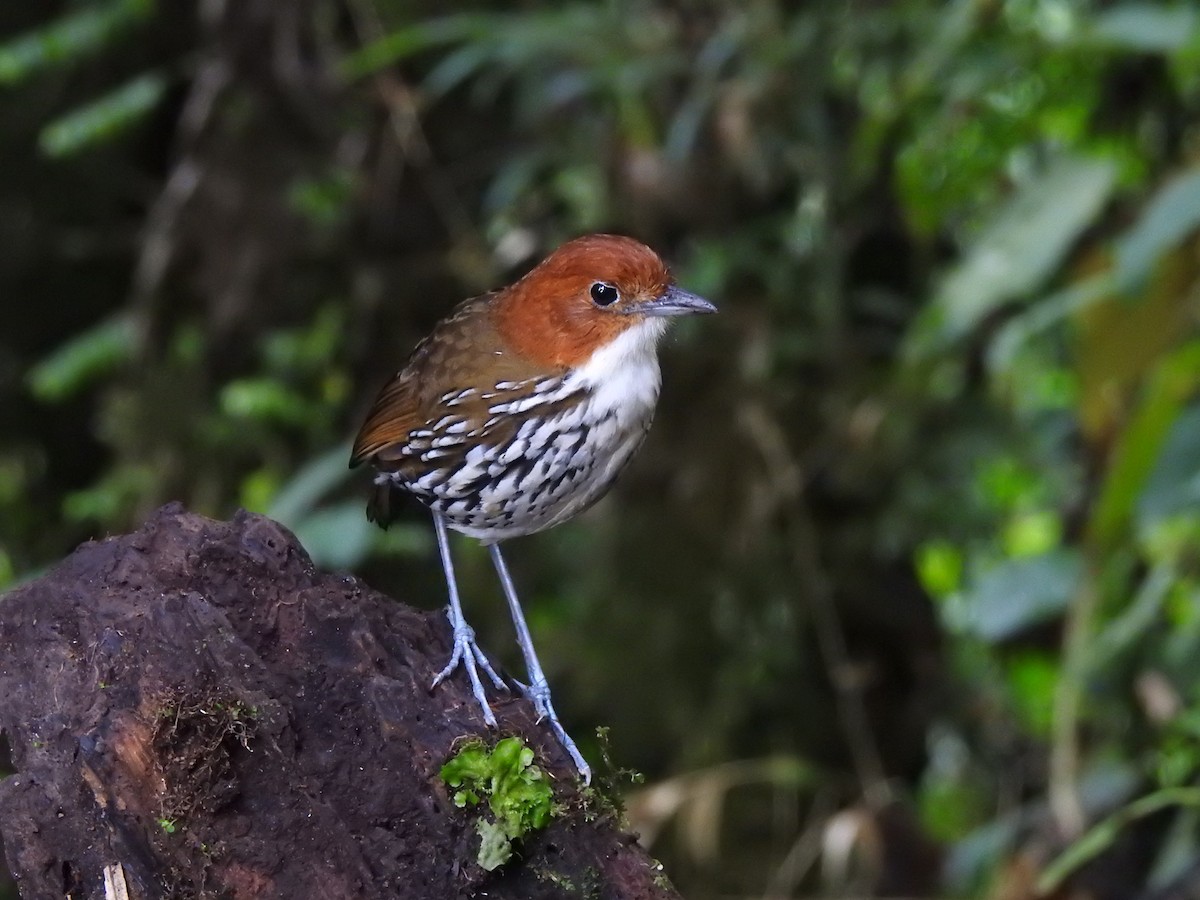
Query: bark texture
x=197, y=710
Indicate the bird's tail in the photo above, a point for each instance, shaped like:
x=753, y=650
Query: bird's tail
x=383, y=507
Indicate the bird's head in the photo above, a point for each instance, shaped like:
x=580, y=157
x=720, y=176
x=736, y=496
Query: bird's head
x=586, y=294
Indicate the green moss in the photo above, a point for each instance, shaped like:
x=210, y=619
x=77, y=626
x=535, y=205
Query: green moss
x=605, y=798
x=516, y=791
x=660, y=877
x=549, y=876
x=591, y=887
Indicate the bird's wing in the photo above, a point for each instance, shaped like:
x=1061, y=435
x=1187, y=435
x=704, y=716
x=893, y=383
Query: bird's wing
x=445, y=390
x=394, y=414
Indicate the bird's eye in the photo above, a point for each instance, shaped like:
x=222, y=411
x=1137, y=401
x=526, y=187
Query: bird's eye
x=604, y=294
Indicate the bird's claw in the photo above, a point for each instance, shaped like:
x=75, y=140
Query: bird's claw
x=467, y=653
x=538, y=693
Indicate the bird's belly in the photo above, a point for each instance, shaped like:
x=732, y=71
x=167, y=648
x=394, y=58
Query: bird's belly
x=545, y=472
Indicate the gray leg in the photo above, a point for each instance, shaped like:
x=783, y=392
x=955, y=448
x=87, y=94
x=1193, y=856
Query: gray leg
x=466, y=650
x=538, y=689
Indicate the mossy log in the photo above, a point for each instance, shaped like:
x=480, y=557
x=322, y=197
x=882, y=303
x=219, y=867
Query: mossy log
x=194, y=710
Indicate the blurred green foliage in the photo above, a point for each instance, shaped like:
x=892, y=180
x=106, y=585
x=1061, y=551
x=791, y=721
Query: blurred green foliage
x=920, y=517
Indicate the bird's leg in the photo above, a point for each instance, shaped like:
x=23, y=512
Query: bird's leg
x=538, y=689
x=466, y=650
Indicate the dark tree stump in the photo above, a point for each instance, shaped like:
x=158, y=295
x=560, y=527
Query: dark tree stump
x=198, y=704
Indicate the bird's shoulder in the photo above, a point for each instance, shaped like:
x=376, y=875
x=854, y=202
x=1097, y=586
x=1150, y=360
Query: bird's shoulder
x=450, y=380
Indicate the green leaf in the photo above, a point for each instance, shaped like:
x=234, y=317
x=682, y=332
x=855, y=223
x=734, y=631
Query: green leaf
x=405, y=42
x=1139, y=615
x=1014, y=595
x=102, y=119
x=951, y=800
x=264, y=399
x=939, y=567
x=83, y=359
x=1031, y=681
x=405, y=539
x=325, y=200
x=68, y=38
x=337, y=537
x=1048, y=312
x=1103, y=785
x=1172, y=383
x=1177, y=852
x=1009, y=484
x=110, y=498
x=1103, y=835
x=1173, y=486
x=1145, y=27
x=1171, y=216
x=1024, y=245
x=315, y=479
x=1032, y=533
x=307, y=349
x=258, y=488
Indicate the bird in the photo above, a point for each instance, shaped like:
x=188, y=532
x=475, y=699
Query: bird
x=517, y=412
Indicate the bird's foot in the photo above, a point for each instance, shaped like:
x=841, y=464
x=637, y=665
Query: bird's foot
x=467, y=652
x=539, y=695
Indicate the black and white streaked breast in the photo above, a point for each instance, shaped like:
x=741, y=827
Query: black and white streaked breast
x=547, y=448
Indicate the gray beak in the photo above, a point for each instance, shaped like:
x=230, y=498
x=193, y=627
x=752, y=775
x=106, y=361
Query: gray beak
x=674, y=302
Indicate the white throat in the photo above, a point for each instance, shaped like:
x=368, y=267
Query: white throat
x=623, y=375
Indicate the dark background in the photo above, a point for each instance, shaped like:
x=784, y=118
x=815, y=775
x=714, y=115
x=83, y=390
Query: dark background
x=901, y=596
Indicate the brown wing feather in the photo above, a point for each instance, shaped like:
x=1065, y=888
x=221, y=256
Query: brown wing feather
x=393, y=415
x=404, y=402
x=463, y=351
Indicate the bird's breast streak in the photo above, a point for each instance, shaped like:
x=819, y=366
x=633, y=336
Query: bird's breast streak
x=541, y=451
